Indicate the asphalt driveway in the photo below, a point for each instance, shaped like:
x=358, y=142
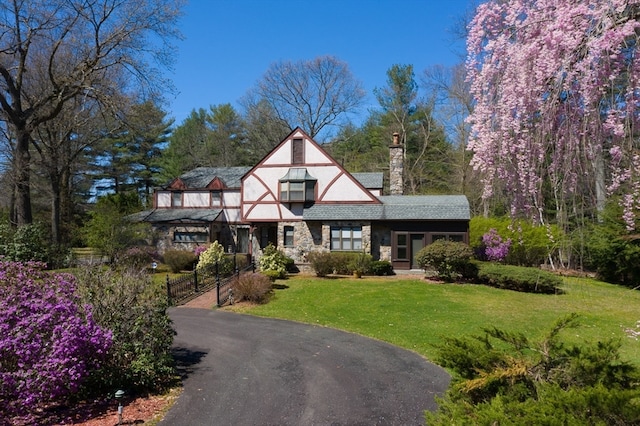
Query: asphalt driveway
x=244, y=370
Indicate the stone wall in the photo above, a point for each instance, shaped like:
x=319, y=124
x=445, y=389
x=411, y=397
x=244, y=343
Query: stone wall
x=396, y=169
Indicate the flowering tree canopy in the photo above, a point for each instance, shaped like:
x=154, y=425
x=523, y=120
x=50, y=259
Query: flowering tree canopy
x=556, y=86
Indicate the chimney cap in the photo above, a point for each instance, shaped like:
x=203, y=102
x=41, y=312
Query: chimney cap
x=396, y=138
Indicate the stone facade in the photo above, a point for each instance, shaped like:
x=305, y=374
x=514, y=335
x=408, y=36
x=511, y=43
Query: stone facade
x=396, y=167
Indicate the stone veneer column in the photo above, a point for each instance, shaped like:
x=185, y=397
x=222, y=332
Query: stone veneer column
x=396, y=166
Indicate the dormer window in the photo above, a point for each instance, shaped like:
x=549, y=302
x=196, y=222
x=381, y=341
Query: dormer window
x=297, y=186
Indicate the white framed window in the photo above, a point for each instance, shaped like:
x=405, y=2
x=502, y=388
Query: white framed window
x=216, y=198
x=288, y=236
x=346, y=238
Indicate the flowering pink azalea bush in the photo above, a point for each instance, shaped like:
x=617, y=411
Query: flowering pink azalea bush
x=49, y=343
x=495, y=248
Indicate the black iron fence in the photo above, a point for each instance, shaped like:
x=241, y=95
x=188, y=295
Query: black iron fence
x=186, y=287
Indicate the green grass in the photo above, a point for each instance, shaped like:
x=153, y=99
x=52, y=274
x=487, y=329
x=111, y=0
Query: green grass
x=416, y=314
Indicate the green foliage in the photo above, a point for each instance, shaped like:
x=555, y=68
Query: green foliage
x=531, y=245
x=450, y=259
x=381, y=268
x=613, y=251
x=138, y=257
x=179, y=260
x=343, y=262
x=361, y=263
x=519, y=278
x=273, y=262
x=504, y=378
x=109, y=231
x=26, y=243
x=252, y=287
x=127, y=302
x=322, y=262
x=212, y=255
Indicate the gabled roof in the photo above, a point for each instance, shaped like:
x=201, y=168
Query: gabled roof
x=201, y=177
x=176, y=215
x=396, y=207
x=370, y=180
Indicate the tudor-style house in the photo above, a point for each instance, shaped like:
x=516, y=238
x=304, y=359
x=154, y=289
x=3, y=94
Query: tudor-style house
x=301, y=200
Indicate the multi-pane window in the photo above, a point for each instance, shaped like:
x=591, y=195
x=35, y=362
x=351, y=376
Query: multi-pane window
x=402, y=246
x=216, y=198
x=288, y=236
x=190, y=237
x=297, y=186
x=176, y=199
x=346, y=238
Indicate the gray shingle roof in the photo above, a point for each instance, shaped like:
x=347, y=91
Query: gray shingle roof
x=176, y=215
x=396, y=207
x=201, y=177
x=370, y=180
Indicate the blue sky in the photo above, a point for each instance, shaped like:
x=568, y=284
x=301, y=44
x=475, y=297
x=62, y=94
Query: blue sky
x=229, y=44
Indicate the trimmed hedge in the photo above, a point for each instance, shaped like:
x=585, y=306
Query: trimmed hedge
x=179, y=260
x=519, y=278
x=450, y=259
x=346, y=262
x=381, y=268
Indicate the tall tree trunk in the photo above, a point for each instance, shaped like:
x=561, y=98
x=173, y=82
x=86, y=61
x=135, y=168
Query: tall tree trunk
x=22, y=208
x=601, y=194
x=55, y=208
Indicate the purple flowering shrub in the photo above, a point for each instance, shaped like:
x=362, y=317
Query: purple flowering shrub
x=49, y=342
x=199, y=250
x=495, y=248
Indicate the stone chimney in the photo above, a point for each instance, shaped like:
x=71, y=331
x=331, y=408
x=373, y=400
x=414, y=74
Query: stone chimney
x=396, y=166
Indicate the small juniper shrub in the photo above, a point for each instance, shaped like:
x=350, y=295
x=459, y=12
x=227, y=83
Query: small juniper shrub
x=502, y=377
x=179, y=260
x=322, y=262
x=252, y=287
x=450, y=259
x=381, y=268
x=519, y=278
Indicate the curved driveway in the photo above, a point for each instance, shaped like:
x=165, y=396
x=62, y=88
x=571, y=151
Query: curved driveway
x=245, y=370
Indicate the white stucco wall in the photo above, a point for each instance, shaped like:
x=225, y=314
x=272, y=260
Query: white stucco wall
x=164, y=199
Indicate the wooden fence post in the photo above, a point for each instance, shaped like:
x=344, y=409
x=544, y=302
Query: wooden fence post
x=168, y=291
x=217, y=286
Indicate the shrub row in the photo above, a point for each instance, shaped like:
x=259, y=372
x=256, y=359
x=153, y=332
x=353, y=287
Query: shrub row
x=346, y=263
x=452, y=261
x=519, y=278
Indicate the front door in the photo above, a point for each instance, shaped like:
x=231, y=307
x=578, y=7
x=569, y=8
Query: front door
x=417, y=243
